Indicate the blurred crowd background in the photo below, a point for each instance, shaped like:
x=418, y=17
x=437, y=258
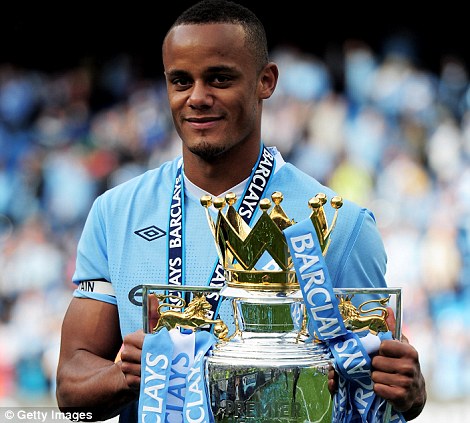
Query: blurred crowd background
x=379, y=128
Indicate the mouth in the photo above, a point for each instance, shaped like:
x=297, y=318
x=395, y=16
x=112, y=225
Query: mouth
x=205, y=122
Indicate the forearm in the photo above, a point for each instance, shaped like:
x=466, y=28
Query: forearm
x=92, y=384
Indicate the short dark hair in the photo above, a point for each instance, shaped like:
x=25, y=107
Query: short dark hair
x=226, y=11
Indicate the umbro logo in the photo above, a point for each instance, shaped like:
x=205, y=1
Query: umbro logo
x=151, y=233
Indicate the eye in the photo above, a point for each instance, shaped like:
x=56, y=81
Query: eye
x=181, y=83
x=221, y=80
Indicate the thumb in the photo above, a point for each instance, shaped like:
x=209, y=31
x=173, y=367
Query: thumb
x=391, y=320
x=392, y=324
x=153, y=313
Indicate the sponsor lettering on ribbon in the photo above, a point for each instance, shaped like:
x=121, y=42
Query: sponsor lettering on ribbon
x=355, y=400
x=173, y=386
x=250, y=199
x=175, y=237
x=254, y=192
x=157, y=351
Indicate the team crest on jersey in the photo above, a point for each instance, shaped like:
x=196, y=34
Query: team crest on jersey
x=150, y=233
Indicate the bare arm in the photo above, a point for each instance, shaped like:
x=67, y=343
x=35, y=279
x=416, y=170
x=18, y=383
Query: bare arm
x=88, y=379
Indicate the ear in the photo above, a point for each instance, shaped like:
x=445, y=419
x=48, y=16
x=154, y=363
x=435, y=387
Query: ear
x=268, y=80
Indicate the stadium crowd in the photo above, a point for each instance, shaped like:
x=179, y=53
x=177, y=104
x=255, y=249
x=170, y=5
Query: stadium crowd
x=381, y=129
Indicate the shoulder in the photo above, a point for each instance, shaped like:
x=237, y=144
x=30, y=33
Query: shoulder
x=296, y=179
x=151, y=187
x=356, y=256
x=298, y=188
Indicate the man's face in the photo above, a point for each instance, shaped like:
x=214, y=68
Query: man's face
x=214, y=88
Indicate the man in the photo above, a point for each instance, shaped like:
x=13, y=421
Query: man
x=153, y=229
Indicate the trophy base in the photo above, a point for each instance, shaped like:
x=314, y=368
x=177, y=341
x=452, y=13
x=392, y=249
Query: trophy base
x=261, y=380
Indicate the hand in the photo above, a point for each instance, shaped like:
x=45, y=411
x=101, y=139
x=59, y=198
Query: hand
x=397, y=376
x=130, y=358
x=333, y=375
x=130, y=355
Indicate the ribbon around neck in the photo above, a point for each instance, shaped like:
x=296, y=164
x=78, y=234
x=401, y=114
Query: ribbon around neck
x=255, y=190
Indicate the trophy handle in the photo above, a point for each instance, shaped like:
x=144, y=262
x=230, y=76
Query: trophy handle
x=371, y=317
x=162, y=309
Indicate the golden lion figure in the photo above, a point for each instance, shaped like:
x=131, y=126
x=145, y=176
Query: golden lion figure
x=356, y=319
x=193, y=316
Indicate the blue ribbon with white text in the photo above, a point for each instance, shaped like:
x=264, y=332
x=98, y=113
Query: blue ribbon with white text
x=173, y=386
x=355, y=400
x=157, y=353
x=255, y=190
x=196, y=407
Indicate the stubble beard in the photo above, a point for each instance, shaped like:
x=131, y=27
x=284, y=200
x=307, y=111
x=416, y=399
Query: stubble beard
x=207, y=151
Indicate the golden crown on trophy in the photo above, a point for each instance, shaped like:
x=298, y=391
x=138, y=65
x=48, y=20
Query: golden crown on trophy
x=241, y=247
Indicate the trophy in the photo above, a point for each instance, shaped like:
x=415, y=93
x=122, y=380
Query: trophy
x=269, y=366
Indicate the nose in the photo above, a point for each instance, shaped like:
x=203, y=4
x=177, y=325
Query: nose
x=200, y=96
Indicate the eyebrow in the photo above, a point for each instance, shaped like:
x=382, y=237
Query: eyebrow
x=210, y=70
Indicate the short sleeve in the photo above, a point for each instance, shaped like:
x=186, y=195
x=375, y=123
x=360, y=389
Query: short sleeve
x=92, y=257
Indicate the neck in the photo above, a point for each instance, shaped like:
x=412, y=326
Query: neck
x=218, y=176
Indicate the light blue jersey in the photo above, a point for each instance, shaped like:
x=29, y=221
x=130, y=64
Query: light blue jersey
x=125, y=241
x=131, y=231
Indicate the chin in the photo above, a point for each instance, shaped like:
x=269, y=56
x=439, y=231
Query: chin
x=207, y=151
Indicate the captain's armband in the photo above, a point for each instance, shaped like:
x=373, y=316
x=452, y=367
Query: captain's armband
x=100, y=286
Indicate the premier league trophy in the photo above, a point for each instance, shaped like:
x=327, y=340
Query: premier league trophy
x=273, y=365
x=265, y=371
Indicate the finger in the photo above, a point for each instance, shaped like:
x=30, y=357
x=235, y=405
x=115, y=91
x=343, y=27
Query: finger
x=397, y=349
x=332, y=386
x=385, y=364
x=332, y=380
x=131, y=350
x=391, y=379
x=396, y=395
x=392, y=324
x=406, y=364
x=332, y=373
x=132, y=380
x=130, y=368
